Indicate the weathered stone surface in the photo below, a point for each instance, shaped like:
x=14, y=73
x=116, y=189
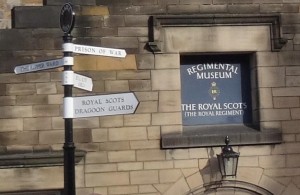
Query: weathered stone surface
x=36, y=17
x=75, y=2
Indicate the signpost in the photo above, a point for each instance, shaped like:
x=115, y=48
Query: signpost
x=77, y=107
x=100, y=51
x=40, y=66
x=83, y=82
x=104, y=105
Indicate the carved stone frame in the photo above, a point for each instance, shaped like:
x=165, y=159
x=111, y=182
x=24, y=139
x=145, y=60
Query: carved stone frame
x=215, y=136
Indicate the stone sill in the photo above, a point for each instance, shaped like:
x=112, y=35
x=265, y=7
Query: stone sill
x=37, y=159
x=214, y=136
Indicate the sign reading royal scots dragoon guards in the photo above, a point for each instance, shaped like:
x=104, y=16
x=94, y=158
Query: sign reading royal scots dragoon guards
x=216, y=90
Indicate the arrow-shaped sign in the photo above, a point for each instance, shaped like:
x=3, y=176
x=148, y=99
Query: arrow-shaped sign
x=83, y=82
x=104, y=105
x=39, y=66
x=100, y=51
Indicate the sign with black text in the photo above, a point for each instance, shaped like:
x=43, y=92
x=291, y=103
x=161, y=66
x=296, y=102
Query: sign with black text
x=104, y=105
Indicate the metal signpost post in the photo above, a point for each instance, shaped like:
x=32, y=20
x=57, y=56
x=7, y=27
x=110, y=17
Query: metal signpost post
x=67, y=17
x=76, y=107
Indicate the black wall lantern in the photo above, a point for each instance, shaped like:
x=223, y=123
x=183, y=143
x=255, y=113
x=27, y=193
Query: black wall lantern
x=228, y=160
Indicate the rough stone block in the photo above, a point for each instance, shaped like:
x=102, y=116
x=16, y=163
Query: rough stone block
x=38, y=77
x=131, y=20
x=41, y=123
x=180, y=187
x=140, y=85
x=287, y=91
x=186, y=163
x=144, y=177
x=31, y=99
x=94, y=11
x=248, y=161
x=120, y=42
x=286, y=102
x=158, y=165
x=209, y=9
x=295, y=113
x=293, y=81
x=274, y=186
x=133, y=75
x=255, y=150
x=274, y=114
x=21, y=89
x=40, y=178
x=169, y=101
x=267, y=59
x=167, y=61
x=115, y=146
x=19, y=138
x=11, y=125
x=133, y=31
x=150, y=155
x=51, y=137
x=123, y=190
x=272, y=161
x=74, y=2
x=130, y=166
x=96, y=168
x=147, y=96
x=46, y=88
x=147, y=107
x=145, y=144
x=288, y=58
x=127, y=133
x=117, y=86
x=7, y=100
x=243, y=9
x=45, y=110
x=12, y=78
x=271, y=76
x=96, y=157
x=168, y=176
x=107, y=179
x=195, y=180
x=165, y=79
x=100, y=135
x=15, y=111
x=292, y=159
x=290, y=126
x=137, y=120
x=166, y=118
x=92, y=122
x=183, y=9
x=121, y=156
x=36, y=17
x=106, y=121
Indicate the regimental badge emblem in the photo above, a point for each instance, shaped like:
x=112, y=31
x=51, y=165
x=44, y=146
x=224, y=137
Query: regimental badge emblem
x=214, y=91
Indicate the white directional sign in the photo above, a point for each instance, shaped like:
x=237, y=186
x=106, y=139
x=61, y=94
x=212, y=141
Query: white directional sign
x=101, y=51
x=83, y=82
x=39, y=66
x=103, y=105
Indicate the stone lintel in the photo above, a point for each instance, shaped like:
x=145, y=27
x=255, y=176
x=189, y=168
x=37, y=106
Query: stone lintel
x=157, y=23
x=214, y=136
x=36, y=159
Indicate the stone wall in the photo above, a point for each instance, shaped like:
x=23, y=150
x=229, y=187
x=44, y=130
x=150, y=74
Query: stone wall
x=124, y=154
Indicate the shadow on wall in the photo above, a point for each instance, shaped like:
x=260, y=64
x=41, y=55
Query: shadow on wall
x=211, y=172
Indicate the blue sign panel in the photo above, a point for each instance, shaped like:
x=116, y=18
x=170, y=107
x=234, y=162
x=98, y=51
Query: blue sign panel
x=215, y=90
